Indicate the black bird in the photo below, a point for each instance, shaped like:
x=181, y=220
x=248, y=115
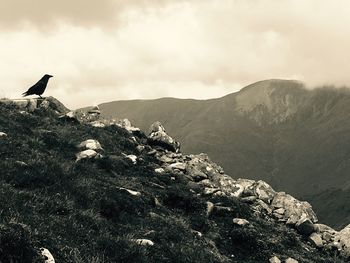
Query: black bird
x=39, y=87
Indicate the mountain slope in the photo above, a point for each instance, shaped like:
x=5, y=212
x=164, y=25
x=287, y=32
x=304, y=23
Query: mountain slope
x=113, y=204
x=275, y=130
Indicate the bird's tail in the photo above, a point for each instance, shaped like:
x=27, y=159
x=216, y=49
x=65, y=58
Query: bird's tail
x=24, y=94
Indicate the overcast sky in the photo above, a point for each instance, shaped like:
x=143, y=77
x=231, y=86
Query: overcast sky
x=106, y=50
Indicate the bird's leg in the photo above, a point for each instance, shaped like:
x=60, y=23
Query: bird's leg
x=40, y=96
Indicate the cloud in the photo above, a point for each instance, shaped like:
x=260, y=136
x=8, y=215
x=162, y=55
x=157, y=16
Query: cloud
x=146, y=49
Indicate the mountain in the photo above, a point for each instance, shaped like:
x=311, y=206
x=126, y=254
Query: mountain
x=296, y=139
x=76, y=188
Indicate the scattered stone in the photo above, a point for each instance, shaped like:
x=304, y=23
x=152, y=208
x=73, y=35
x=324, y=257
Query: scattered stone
x=305, y=226
x=152, y=152
x=210, y=208
x=126, y=124
x=132, y=157
x=140, y=148
x=159, y=170
x=240, y=221
x=134, y=193
x=87, y=154
x=316, y=240
x=197, y=233
x=260, y=189
x=158, y=136
x=180, y=166
x=143, y=242
x=210, y=191
x=280, y=211
x=274, y=259
x=20, y=163
x=166, y=159
x=47, y=255
x=291, y=260
x=97, y=124
x=2, y=134
x=90, y=144
x=249, y=199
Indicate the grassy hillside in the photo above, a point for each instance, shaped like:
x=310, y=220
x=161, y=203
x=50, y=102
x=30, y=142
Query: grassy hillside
x=82, y=212
x=295, y=139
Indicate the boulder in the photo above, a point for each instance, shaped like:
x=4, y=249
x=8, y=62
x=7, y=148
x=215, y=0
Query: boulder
x=240, y=221
x=305, y=226
x=90, y=144
x=87, y=154
x=343, y=237
x=126, y=124
x=47, y=255
x=316, y=240
x=158, y=136
x=274, y=259
x=260, y=189
x=294, y=209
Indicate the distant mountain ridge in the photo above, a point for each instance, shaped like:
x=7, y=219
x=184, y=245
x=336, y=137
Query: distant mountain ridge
x=296, y=139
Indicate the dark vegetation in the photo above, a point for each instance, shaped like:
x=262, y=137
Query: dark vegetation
x=78, y=211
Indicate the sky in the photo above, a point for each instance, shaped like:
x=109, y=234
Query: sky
x=100, y=51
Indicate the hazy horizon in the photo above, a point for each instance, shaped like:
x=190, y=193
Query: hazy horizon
x=117, y=50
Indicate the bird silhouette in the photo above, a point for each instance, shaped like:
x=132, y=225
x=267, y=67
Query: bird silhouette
x=39, y=87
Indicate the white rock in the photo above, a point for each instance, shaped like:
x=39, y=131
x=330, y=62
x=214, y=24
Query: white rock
x=344, y=240
x=87, y=154
x=97, y=124
x=143, y=242
x=291, y=260
x=2, y=134
x=90, y=144
x=240, y=221
x=47, y=255
x=316, y=240
x=210, y=208
x=134, y=193
x=274, y=259
x=178, y=165
x=159, y=170
x=132, y=157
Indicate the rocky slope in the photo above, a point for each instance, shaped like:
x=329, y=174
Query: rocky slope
x=78, y=189
x=295, y=139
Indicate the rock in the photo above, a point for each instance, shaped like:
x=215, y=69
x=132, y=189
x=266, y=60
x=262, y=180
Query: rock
x=159, y=170
x=274, y=259
x=126, y=124
x=261, y=190
x=158, y=136
x=240, y=221
x=197, y=233
x=280, y=211
x=344, y=240
x=180, y=166
x=206, y=183
x=143, y=242
x=97, y=124
x=210, y=208
x=305, y=226
x=90, y=144
x=291, y=260
x=294, y=209
x=249, y=199
x=228, y=185
x=132, y=157
x=140, y=148
x=264, y=206
x=320, y=228
x=20, y=163
x=2, y=134
x=87, y=154
x=166, y=159
x=47, y=255
x=70, y=116
x=134, y=193
x=210, y=191
x=316, y=240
